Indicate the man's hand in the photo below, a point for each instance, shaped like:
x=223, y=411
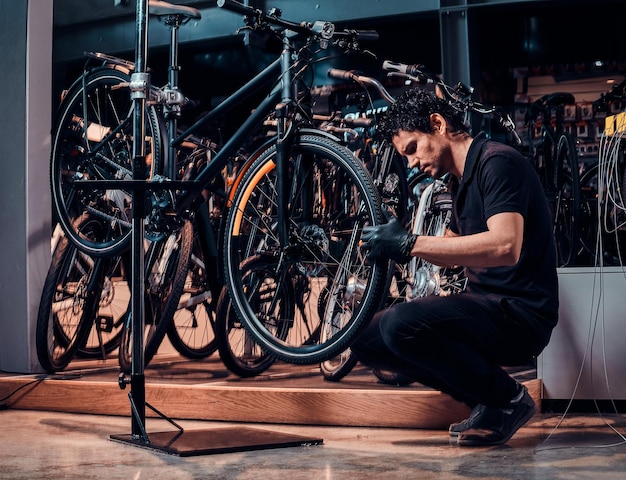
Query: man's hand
x=390, y=240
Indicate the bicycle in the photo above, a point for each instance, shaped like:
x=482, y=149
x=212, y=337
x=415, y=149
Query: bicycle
x=307, y=240
x=556, y=160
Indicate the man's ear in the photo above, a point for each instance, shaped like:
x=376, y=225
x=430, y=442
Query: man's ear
x=438, y=123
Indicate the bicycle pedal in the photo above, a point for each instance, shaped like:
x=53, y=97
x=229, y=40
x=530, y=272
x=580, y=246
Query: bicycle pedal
x=105, y=323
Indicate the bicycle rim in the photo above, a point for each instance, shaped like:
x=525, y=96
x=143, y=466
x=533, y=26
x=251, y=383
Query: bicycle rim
x=331, y=198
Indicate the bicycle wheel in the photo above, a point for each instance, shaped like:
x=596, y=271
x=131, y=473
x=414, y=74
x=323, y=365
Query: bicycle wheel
x=192, y=331
x=337, y=367
x=113, y=308
x=392, y=378
x=330, y=197
x=67, y=306
x=238, y=350
x=166, y=267
x=92, y=140
x=566, y=202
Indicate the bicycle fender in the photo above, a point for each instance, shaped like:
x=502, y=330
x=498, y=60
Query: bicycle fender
x=321, y=133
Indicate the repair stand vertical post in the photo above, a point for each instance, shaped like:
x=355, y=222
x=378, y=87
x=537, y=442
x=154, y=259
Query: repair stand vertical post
x=139, y=87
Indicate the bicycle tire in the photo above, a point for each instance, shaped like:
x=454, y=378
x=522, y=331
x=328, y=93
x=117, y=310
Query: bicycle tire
x=92, y=139
x=392, y=378
x=166, y=271
x=331, y=197
x=67, y=306
x=113, y=307
x=192, y=330
x=566, y=204
x=237, y=348
x=336, y=368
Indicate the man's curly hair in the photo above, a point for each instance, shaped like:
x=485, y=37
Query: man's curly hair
x=411, y=112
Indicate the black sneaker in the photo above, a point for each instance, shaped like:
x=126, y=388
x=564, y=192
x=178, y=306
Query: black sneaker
x=496, y=426
x=468, y=423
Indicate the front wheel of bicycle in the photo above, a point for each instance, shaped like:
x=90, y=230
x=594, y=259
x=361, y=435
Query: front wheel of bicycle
x=69, y=301
x=329, y=198
x=92, y=141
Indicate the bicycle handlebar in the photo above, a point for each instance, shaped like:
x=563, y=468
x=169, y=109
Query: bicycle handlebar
x=617, y=93
x=362, y=80
x=458, y=96
x=324, y=30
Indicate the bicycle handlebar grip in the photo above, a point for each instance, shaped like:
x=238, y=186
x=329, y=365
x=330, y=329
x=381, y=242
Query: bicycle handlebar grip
x=366, y=35
x=343, y=74
x=359, y=122
x=402, y=67
x=237, y=7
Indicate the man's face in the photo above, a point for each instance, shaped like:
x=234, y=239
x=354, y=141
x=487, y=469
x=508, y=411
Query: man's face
x=426, y=151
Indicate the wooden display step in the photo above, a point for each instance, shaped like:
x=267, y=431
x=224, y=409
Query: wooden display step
x=286, y=394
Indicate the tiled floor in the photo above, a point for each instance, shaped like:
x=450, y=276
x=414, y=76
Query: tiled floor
x=42, y=445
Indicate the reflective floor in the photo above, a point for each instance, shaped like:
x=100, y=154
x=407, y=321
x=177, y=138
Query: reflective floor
x=42, y=445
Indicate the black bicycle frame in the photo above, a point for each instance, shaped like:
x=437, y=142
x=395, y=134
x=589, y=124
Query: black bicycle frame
x=230, y=147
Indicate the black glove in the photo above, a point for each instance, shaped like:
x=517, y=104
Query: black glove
x=390, y=240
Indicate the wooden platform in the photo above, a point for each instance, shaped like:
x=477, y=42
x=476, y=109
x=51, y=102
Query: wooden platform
x=204, y=390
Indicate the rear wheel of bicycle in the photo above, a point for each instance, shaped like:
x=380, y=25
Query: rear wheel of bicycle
x=330, y=198
x=565, y=202
x=238, y=350
x=68, y=303
x=92, y=139
x=166, y=268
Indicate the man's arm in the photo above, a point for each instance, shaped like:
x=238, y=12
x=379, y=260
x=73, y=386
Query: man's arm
x=500, y=245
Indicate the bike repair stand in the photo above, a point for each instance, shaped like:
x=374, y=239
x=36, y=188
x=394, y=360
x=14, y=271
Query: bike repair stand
x=180, y=442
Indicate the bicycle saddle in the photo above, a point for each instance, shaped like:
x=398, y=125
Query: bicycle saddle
x=162, y=9
x=555, y=99
x=547, y=102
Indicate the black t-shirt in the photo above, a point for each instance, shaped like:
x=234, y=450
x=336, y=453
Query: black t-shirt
x=496, y=179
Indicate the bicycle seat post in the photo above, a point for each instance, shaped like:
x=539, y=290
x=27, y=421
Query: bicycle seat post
x=174, y=99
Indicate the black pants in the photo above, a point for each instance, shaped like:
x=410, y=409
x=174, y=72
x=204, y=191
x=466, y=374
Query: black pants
x=456, y=344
